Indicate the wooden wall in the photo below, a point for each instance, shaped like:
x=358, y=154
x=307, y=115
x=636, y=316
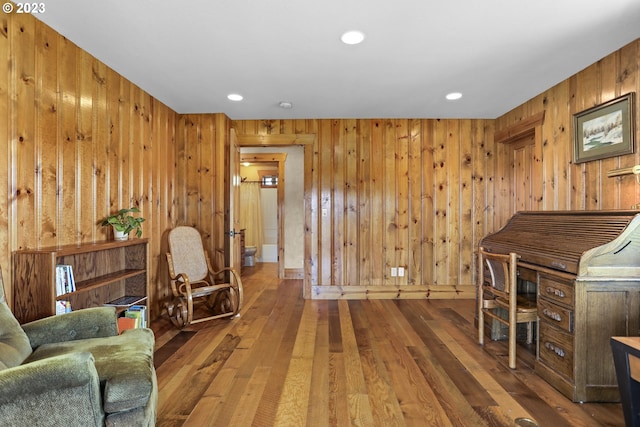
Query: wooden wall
x=79, y=141
x=82, y=141
x=398, y=193
x=202, y=156
x=584, y=186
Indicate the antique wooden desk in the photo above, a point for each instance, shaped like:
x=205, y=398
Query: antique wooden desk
x=586, y=267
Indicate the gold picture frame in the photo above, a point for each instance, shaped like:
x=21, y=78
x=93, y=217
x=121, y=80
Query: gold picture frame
x=606, y=130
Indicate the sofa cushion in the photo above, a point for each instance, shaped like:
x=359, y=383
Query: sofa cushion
x=14, y=343
x=124, y=364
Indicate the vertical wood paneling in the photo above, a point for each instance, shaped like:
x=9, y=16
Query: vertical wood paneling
x=411, y=193
x=337, y=192
x=416, y=192
x=7, y=218
x=202, y=145
x=23, y=123
x=85, y=191
x=441, y=200
x=101, y=144
x=427, y=209
x=325, y=231
x=47, y=132
x=376, y=196
x=398, y=193
x=627, y=77
x=389, y=231
x=206, y=169
x=363, y=193
x=402, y=198
x=221, y=191
x=452, y=207
x=80, y=145
x=126, y=133
x=66, y=175
x=585, y=186
x=465, y=256
x=112, y=142
x=351, y=213
x=481, y=209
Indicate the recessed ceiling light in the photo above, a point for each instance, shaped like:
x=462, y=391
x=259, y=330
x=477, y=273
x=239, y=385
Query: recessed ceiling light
x=235, y=97
x=453, y=96
x=352, y=37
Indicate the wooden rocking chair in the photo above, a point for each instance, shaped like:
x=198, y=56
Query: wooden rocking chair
x=194, y=280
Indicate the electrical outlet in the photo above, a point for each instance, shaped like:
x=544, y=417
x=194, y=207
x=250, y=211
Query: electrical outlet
x=394, y=272
x=401, y=271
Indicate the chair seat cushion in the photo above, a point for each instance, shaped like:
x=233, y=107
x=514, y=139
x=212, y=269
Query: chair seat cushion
x=124, y=364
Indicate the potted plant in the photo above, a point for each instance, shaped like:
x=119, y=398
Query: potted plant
x=124, y=223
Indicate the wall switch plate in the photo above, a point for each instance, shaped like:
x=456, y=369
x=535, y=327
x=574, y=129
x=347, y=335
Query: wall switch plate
x=394, y=272
x=401, y=271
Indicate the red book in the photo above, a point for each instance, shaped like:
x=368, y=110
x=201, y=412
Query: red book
x=125, y=323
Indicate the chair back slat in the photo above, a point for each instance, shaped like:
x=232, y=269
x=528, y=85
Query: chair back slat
x=187, y=252
x=499, y=271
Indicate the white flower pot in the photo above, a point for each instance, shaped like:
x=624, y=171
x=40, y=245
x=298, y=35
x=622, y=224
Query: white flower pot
x=120, y=235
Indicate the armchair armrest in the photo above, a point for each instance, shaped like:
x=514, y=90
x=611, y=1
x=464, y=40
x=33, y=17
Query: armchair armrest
x=61, y=390
x=96, y=322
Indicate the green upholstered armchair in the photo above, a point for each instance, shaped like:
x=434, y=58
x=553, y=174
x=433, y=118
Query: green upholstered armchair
x=75, y=370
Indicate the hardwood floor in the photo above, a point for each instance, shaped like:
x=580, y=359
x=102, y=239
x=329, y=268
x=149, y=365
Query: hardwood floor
x=289, y=362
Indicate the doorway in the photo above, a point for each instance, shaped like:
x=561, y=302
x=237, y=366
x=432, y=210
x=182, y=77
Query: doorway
x=303, y=176
x=262, y=189
x=289, y=204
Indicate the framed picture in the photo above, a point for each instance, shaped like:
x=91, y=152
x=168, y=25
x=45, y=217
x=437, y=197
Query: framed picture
x=605, y=130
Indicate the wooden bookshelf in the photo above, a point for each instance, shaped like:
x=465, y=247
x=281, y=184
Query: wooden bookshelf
x=103, y=272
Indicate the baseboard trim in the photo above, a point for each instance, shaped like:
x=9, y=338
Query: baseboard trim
x=394, y=292
x=294, y=273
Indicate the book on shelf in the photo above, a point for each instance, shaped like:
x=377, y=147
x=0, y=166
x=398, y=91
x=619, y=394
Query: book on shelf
x=65, y=282
x=125, y=323
x=139, y=313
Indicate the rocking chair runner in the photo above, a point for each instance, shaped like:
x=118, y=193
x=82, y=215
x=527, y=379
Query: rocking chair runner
x=193, y=279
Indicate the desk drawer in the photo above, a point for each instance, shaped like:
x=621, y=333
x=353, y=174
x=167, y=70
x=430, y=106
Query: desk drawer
x=555, y=289
x=554, y=314
x=556, y=349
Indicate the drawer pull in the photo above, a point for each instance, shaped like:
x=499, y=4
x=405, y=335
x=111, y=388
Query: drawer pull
x=552, y=315
x=557, y=350
x=557, y=292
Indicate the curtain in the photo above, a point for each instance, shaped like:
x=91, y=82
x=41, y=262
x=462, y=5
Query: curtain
x=251, y=215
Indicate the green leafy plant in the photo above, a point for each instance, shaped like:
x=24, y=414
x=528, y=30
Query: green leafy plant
x=124, y=222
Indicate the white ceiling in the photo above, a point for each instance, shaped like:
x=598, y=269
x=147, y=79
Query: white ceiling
x=498, y=53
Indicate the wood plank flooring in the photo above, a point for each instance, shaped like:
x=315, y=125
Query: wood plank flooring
x=289, y=362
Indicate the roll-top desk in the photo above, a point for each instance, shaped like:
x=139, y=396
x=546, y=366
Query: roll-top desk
x=586, y=265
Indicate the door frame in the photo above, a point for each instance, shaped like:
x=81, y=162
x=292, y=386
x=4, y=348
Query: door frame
x=504, y=138
x=280, y=159
x=234, y=251
x=307, y=141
